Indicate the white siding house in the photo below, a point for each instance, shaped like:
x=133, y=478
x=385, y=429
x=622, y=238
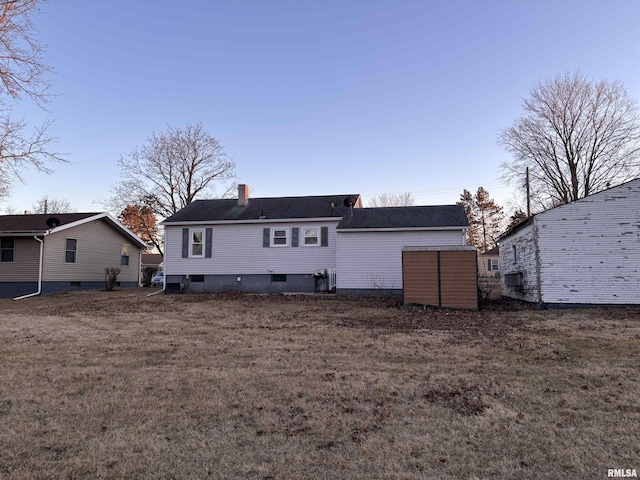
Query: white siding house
x=372, y=260
x=270, y=245
x=370, y=243
x=585, y=252
x=265, y=245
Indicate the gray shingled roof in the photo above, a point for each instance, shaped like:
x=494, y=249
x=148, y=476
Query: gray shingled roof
x=269, y=208
x=405, y=217
x=37, y=223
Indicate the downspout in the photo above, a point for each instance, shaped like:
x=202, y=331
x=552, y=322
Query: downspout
x=536, y=242
x=39, y=273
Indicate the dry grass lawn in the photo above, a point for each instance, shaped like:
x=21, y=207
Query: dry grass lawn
x=120, y=385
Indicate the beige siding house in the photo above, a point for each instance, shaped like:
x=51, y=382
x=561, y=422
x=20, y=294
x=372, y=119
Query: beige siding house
x=52, y=253
x=489, y=263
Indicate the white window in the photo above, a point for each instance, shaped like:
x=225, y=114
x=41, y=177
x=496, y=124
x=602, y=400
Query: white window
x=279, y=237
x=71, y=250
x=311, y=236
x=494, y=265
x=197, y=243
x=124, y=254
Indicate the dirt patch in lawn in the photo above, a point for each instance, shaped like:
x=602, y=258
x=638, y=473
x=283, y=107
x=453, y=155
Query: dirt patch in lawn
x=121, y=385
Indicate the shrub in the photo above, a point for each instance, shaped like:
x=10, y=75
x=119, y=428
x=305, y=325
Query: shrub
x=110, y=278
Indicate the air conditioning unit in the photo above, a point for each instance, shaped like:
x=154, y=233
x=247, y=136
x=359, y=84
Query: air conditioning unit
x=513, y=279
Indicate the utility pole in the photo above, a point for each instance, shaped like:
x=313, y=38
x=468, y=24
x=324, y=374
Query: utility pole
x=528, y=196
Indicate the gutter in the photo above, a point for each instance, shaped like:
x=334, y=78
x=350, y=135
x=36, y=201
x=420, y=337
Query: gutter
x=39, y=273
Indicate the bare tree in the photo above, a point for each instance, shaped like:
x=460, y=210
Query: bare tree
x=22, y=73
x=171, y=169
x=10, y=210
x=52, y=205
x=577, y=137
x=392, y=200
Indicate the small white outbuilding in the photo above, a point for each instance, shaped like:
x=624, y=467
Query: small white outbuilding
x=583, y=253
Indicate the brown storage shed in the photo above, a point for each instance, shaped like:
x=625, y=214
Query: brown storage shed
x=445, y=276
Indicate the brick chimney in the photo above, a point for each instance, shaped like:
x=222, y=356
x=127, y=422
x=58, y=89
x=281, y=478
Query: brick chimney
x=243, y=195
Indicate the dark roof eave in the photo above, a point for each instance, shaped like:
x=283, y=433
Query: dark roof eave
x=447, y=227
x=22, y=233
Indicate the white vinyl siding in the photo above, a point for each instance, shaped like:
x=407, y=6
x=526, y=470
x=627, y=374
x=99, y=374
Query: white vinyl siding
x=99, y=246
x=238, y=249
x=373, y=260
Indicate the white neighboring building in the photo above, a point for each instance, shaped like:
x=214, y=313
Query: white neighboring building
x=584, y=252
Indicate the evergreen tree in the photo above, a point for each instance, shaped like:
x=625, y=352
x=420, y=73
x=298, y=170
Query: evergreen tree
x=516, y=218
x=485, y=218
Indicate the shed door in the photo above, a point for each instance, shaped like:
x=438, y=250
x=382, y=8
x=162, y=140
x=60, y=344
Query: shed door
x=420, y=277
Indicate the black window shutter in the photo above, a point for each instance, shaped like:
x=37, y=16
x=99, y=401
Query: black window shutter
x=266, y=234
x=489, y=264
x=294, y=236
x=324, y=235
x=208, y=241
x=185, y=242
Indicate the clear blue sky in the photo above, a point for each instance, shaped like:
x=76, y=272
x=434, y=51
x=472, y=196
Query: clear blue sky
x=315, y=97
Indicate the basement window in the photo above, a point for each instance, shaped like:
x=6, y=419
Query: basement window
x=279, y=277
x=196, y=278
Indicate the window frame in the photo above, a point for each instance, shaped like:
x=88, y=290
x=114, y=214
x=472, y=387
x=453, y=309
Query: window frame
x=304, y=236
x=514, y=251
x=494, y=264
x=202, y=242
x=11, y=249
x=66, y=251
x=123, y=256
x=287, y=237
